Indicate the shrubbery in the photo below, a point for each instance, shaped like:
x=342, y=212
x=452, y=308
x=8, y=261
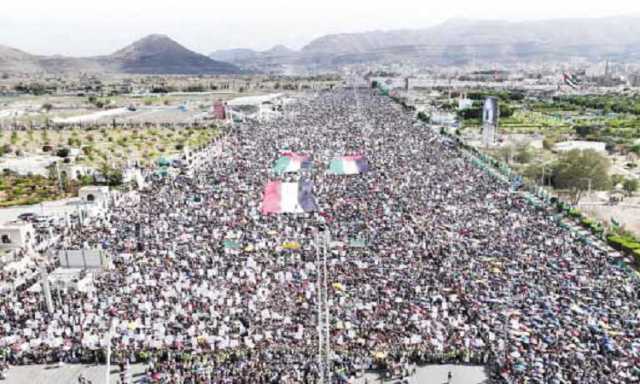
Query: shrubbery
x=592, y=225
x=62, y=152
x=575, y=213
x=625, y=243
x=424, y=117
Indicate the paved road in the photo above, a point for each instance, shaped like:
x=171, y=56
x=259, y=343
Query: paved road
x=67, y=374
x=49, y=208
x=437, y=374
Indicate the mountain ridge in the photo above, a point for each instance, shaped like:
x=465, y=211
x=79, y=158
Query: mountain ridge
x=453, y=42
x=153, y=54
x=463, y=41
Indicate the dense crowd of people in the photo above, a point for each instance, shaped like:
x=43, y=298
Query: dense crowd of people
x=431, y=260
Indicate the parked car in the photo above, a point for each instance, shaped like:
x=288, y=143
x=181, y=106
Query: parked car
x=28, y=216
x=42, y=219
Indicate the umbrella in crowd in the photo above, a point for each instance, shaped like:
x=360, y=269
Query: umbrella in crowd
x=429, y=260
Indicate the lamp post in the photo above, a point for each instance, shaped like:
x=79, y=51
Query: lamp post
x=589, y=181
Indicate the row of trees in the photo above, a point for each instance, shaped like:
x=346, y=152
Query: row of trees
x=576, y=171
x=475, y=112
x=605, y=103
x=506, y=100
x=107, y=175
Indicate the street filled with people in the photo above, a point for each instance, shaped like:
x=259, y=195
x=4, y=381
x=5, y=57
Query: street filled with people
x=429, y=260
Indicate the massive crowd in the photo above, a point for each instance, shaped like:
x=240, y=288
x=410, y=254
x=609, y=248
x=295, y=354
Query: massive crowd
x=430, y=260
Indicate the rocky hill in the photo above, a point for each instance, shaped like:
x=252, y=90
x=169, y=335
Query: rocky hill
x=462, y=41
x=13, y=60
x=154, y=54
x=158, y=54
x=271, y=60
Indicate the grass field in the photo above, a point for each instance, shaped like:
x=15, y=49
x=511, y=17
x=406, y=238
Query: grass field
x=115, y=146
x=27, y=190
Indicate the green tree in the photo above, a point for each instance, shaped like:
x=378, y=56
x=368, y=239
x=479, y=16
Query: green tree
x=424, y=117
x=533, y=172
x=524, y=154
x=52, y=172
x=112, y=176
x=584, y=130
x=578, y=170
x=630, y=186
x=62, y=152
x=506, y=153
x=5, y=149
x=615, y=180
x=548, y=142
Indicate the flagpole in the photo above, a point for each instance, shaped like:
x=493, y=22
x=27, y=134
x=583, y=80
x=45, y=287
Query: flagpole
x=326, y=304
x=319, y=299
x=108, y=370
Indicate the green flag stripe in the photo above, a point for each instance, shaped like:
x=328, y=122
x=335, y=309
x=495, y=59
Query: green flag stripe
x=281, y=165
x=336, y=167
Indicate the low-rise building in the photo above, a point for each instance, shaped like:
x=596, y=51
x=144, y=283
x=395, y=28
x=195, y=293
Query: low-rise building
x=566, y=146
x=94, y=194
x=14, y=235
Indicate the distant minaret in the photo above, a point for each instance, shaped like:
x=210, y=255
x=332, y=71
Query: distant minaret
x=490, y=115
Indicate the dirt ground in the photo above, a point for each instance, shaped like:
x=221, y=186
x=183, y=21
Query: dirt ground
x=626, y=213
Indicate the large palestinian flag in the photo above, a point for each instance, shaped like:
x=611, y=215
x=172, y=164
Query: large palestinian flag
x=348, y=165
x=282, y=197
x=291, y=162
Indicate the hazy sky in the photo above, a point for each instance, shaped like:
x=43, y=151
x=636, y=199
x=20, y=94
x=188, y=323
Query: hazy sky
x=94, y=27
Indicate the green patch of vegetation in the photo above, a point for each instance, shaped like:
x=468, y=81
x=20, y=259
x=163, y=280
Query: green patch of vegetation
x=624, y=242
x=30, y=189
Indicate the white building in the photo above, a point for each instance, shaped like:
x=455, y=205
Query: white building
x=34, y=164
x=443, y=118
x=15, y=235
x=95, y=194
x=566, y=146
x=464, y=104
x=76, y=171
x=68, y=279
x=131, y=175
x=532, y=141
